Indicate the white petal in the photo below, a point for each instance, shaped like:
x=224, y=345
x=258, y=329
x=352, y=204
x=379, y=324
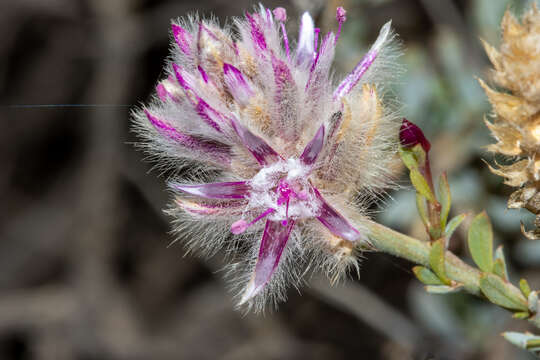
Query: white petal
x=306, y=39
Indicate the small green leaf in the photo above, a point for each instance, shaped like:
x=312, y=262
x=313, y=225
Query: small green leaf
x=426, y=276
x=521, y=315
x=523, y=340
x=444, y=198
x=499, y=267
x=421, y=185
x=419, y=154
x=436, y=260
x=525, y=288
x=453, y=224
x=532, y=301
x=422, y=209
x=516, y=338
x=443, y=289
x=408, y=158
x=481, y=242
x=500, y=293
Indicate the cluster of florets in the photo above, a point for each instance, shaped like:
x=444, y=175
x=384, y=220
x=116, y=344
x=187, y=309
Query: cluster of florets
x=281, y=160
x=517, y=124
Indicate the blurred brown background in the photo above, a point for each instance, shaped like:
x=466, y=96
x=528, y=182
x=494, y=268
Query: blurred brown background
x=85, y=268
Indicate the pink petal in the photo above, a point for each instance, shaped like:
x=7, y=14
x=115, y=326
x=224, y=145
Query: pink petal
x=237, y=84
x=272, y=244
x=185, y=79
x=223, y=190
x=257, y=33
x=360, y=69
x=261, y=151
x=182, y=38
x=222, y=208
x=285, y=96
x=211, y=116
x=162, y=92
x=335, y=222
x=203, y=73
x=210, y=149
x=313, y=149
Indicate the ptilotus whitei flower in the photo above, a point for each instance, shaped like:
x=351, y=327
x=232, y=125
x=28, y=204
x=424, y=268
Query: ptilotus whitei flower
x=281, y=160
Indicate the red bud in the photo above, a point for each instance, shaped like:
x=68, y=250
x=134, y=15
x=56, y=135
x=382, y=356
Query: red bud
x=410, y=135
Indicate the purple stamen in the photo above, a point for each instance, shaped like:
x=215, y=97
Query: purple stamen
x=286, y=221
x=241, y=225
x=341, y=17
x=280, y=14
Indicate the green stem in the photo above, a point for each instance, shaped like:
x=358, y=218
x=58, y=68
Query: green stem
x=392, y=242
x=531, y=344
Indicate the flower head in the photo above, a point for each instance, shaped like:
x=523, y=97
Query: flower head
x=296, y=156
x=517, y=125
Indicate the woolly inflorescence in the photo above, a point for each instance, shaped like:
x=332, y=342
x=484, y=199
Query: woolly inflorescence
x=278, y=161
x=516, y=126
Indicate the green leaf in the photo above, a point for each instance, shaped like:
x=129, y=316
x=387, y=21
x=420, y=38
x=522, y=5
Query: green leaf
x=408, y=158
x=523, y=340
x=532, y=301
x=521, y=315
x=426, y=276
x=445, y=198
x=525, y=288
x=453, y=224
x=436, y=260
x=419, y=154
x=421, y=185
x=422, y=209
x=499, y=267
x=500, y=293
x=481, y=242
x=443, y=289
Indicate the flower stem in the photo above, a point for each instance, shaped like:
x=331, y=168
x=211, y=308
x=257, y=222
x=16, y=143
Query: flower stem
x=392, y=242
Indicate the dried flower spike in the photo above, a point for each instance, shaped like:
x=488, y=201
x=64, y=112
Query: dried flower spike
x=517, y=125
x=296, y=157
